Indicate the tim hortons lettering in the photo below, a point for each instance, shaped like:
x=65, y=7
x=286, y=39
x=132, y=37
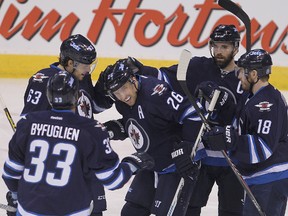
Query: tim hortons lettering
x=49, y=24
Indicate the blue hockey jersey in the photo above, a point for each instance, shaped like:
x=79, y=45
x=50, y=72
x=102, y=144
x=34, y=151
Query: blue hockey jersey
x=204, y=69
x=159, y=118
x=262, y=148
x=51, y=156
x=35, y=95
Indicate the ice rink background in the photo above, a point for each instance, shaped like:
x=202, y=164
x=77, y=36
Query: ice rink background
x=12, y=92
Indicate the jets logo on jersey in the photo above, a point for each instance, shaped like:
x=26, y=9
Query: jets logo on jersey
x=137, y=135
x=39, y=77
x=84, y=106
x=264, y=106
x=159, y=89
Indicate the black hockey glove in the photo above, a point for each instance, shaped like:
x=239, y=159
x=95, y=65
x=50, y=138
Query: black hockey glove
x=220, y=138
x=206, y=90
x=134, y=64
x=186, y=168
x=139, y=160
x=115, y=130
x=102, y=99
x=12, y=201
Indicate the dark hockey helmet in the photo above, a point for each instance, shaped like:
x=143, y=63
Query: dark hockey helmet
x=62, y=90
x=225, y=33
x=117, y=75
x=257, y=59
x=78, y=48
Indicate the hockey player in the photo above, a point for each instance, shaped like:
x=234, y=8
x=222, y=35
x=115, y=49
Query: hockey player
x=203, y=76
x=77, y=56
x=261, y=142
x=53, y=151
x=158, y=121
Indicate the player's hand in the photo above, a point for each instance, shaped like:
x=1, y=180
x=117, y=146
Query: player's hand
x=206, y=90
x=115, y=130
x=134, y=64
x=181, y=156
x=12, y=201
x=139, y=160
x=101, y=92
x=220, y=138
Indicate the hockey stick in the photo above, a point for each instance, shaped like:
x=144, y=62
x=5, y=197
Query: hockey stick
x=8, y=208
x=181, y=77
x=7, y=113
x=244, y=184
x=238, y=12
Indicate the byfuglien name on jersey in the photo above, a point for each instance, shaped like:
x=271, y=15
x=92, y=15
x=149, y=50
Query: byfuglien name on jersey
x=55, y=131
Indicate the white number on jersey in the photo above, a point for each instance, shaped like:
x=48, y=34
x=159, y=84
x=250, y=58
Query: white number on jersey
x=264, y=126
x=34, y=96
x=175, y=100
x=38, y=171
x=108, y=148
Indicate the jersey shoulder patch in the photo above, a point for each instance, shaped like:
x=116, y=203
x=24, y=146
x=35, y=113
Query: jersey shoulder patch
x=264, y=106
x=159, y=89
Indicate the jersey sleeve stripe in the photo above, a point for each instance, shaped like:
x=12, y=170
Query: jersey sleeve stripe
x=106, y=174
x=267, y=152
x=9, y=176
x=253, y=151
x=118, y=181
x=13, y=165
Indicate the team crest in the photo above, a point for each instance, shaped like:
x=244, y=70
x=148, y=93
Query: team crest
x=137, y=135
x=84, y=106
x=264, y=106
x=159, y=89
x=39, y=77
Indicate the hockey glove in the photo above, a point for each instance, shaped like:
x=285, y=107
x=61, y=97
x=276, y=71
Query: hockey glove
x=134, y=64
x=11, y=198
x=139, y=160
x=186, y=168
x=220, y=138
x=101, y=96
x=206, y=90
x=115, y=130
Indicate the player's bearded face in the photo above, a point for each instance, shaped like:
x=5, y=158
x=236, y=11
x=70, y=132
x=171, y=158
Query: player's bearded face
x=223, y=53
x=127, y=93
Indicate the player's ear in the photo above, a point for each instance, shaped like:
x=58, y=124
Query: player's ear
x=70, y=63
x=254, y=74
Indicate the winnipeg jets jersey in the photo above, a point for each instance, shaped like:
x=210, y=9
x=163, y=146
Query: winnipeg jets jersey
x=35, y=95
x=154, y=122
x=50, y=158
x=204, y=69
x=262, y=148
